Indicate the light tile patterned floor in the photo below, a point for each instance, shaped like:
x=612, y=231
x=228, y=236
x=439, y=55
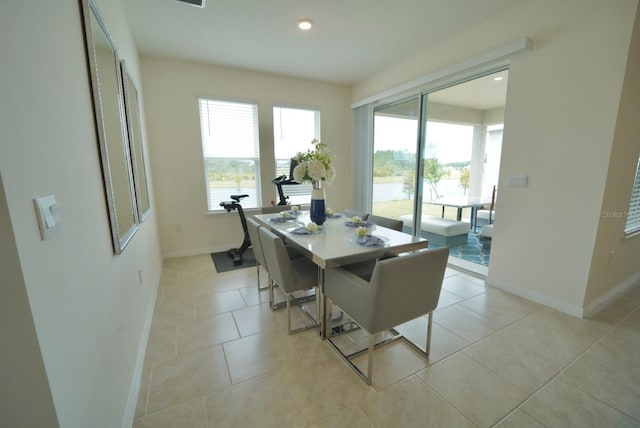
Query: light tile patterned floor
x=219, y=357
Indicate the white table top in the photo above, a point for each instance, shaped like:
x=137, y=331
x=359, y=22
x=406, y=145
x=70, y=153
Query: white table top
x=460, y=201
x=336, y=245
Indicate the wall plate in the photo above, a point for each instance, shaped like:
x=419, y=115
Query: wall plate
x=48, y=216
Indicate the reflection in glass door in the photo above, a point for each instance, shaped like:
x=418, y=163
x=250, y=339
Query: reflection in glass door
x=395, y=136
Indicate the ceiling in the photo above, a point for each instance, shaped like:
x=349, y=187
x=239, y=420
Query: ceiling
x=482, y=93
x=350, y=40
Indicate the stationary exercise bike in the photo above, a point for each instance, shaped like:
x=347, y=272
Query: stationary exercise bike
x=234, y=204
x=279, y=182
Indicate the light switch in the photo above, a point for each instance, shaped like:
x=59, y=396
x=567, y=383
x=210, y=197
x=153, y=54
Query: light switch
x=48, y=216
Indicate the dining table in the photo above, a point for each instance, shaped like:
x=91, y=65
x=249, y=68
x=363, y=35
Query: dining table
x=459, y=203
x=335, y=243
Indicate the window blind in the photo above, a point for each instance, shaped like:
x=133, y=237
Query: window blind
x=231, y=151
x=294, y=129
x=633, y=215
x=229, y=129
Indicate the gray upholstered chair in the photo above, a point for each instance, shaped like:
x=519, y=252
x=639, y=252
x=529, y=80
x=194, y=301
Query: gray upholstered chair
x=365, y=267
x=352, y=213
x=389, y=223
x=274, y=209
x=401, y=289
x=290, y=274
x=254, y=236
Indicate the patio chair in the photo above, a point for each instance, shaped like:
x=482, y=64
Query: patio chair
x=488, y=216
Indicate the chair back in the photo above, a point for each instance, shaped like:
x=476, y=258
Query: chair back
x=277, y=260
x=254, y=236
x=493, y=203
x=389, y=223
x=274, y=209
x=352, y=213
x=406, y=287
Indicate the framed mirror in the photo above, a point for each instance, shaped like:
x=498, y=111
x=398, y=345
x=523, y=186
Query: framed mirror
x=105, y=73
x=132, y=109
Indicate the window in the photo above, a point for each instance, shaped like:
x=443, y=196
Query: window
x=633, y=216
x=231, y=151
x=293, y=130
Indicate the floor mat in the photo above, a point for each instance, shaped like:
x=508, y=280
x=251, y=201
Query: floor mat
x=224, y=262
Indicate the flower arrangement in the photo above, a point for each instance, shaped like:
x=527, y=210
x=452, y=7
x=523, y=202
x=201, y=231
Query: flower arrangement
x=314, y=165
x=312, y=227
x=361, y=232
x=356, y=219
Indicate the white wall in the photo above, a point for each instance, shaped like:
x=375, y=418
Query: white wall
x=88, y=306
x=616, y=259
x=171, y=91
x=562, y=106
x=25, y=396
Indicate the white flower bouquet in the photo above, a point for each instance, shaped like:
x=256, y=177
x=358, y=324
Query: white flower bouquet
x=314, y=165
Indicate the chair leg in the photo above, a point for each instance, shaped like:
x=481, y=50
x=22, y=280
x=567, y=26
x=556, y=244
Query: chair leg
x=271, y=299
x=287, y=298
x=258, y=275
x=372, y=343
x=429, y=324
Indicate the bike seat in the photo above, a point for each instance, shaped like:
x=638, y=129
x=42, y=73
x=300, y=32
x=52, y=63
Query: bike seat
x=238, y=198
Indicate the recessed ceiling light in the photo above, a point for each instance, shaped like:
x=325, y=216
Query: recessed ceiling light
x=497, y=79
x=305, y=24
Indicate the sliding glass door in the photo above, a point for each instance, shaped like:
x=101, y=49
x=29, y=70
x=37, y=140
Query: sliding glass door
x=396, y=132
x=437, y=154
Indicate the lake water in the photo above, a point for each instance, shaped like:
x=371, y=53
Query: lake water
x=393, y=191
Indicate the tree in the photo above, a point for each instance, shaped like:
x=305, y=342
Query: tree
x=433, y=173
x=409, y=183
x=464, y=179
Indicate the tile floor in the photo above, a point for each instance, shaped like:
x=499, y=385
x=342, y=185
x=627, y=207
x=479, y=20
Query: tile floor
x=219, y=357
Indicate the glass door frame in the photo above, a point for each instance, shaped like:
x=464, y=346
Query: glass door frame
x=421, y=137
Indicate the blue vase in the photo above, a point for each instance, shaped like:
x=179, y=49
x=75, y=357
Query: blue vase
x=317, y=210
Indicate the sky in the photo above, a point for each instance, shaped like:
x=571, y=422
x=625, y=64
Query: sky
x=448, y=142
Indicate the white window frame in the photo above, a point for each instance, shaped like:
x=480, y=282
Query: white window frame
x=222, y=141
x=632, y=226
x=301, y=193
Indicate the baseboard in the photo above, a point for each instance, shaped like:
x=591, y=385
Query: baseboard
x=468, y=267
x=611, y=295
x=575, y=311
x=196, y=251
x=136, y=381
